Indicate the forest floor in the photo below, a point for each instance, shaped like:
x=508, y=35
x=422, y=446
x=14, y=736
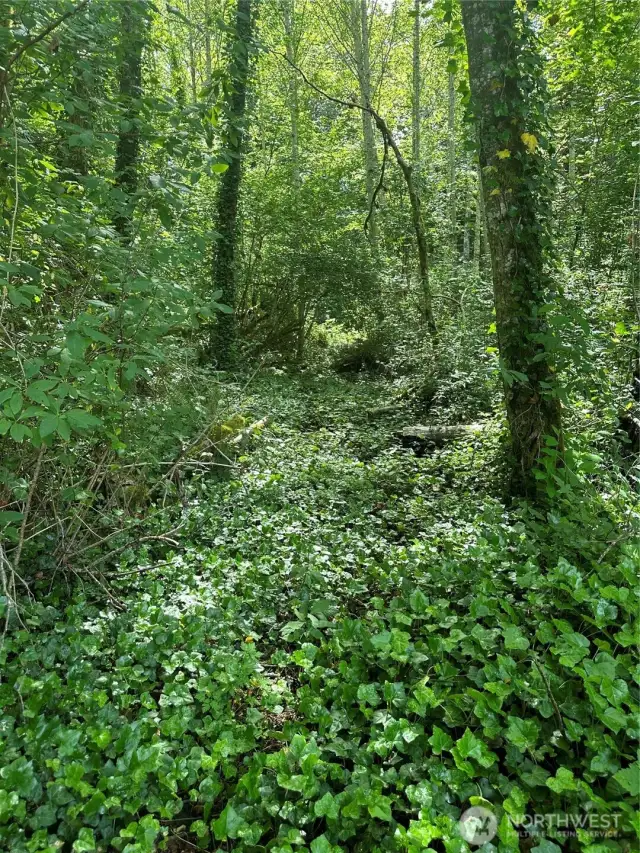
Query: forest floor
x=350, y=646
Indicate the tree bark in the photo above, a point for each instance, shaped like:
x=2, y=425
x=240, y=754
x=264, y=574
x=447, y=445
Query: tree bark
x=132, y=39
x=478, y=227
x=503, y=77
x=451, y=126
x=223, y=339
x=416, y=89
x=360, y=28
x=288, y=15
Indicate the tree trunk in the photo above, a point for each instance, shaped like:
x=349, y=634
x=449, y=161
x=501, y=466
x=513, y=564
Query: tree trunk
x=418, y=225
x=502, y=66
x=207, y=43
x=132, y=39
x=360, y=27
x=451, y=96
x=223, y=339
x=192, y=56
x=288, y=15
x=478, y=227
x=417, y=86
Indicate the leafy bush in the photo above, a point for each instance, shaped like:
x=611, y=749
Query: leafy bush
x=369, y=354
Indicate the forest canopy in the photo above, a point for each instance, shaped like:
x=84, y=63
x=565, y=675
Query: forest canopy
x=319, y=426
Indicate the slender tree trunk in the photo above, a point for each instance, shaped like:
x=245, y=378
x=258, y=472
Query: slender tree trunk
x=360, y=27
x=514, y=177
x=414, y=198
x=416, y=89
x=418, y=226
x=288, y=11
x=192, y=56
x=451, y=94
x=207, y=42
x=223, y=340
x=133, y=27
x=478, y=227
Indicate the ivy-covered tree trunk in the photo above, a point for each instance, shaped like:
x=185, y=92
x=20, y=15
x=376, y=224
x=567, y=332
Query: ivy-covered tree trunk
x=505, y=78
x=132, y=38
x=223, y=340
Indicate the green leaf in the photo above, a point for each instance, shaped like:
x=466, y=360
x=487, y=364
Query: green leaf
x=48, y=425
x=571, y=648
x=522, y=733
x=326, y=806
x=79, y=419
x=15, y=403
x=440, y=740
x=19, y=432
x=514, y=638
x=85, y=841
x=8, y=516
x=20, y=777
x=381, y=808
x=228, y=824
x=64, y=430
x=614, y=718
x=368, y=694
x=629, y=779
x=320, y=845
x=562, y=781
x=545, y=846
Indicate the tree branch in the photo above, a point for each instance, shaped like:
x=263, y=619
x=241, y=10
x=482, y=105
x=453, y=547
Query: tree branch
x=52, y=26
x=405, y=168
x=377, y=190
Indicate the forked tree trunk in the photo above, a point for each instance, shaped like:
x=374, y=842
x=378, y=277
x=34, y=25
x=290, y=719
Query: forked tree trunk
x=223, y=338
x=502, y=65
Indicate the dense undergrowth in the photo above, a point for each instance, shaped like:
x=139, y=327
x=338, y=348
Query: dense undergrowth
x=350, y=646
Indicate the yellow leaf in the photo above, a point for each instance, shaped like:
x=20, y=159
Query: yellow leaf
x=495, y=192
x=504, y=154
x=248, y=639
x=530, y=141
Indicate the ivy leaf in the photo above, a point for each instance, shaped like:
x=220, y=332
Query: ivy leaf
x=320, y=845
x=381, y=808
x=85, y=842
x=523, y=734
x=227, y=825
x=545, y=846
x=514, y=638
x=562, y=781
x=440, y=740
x=326, y=806
x=20, y=777
x=629, y=779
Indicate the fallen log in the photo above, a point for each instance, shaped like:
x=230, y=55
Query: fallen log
x=439, y=434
